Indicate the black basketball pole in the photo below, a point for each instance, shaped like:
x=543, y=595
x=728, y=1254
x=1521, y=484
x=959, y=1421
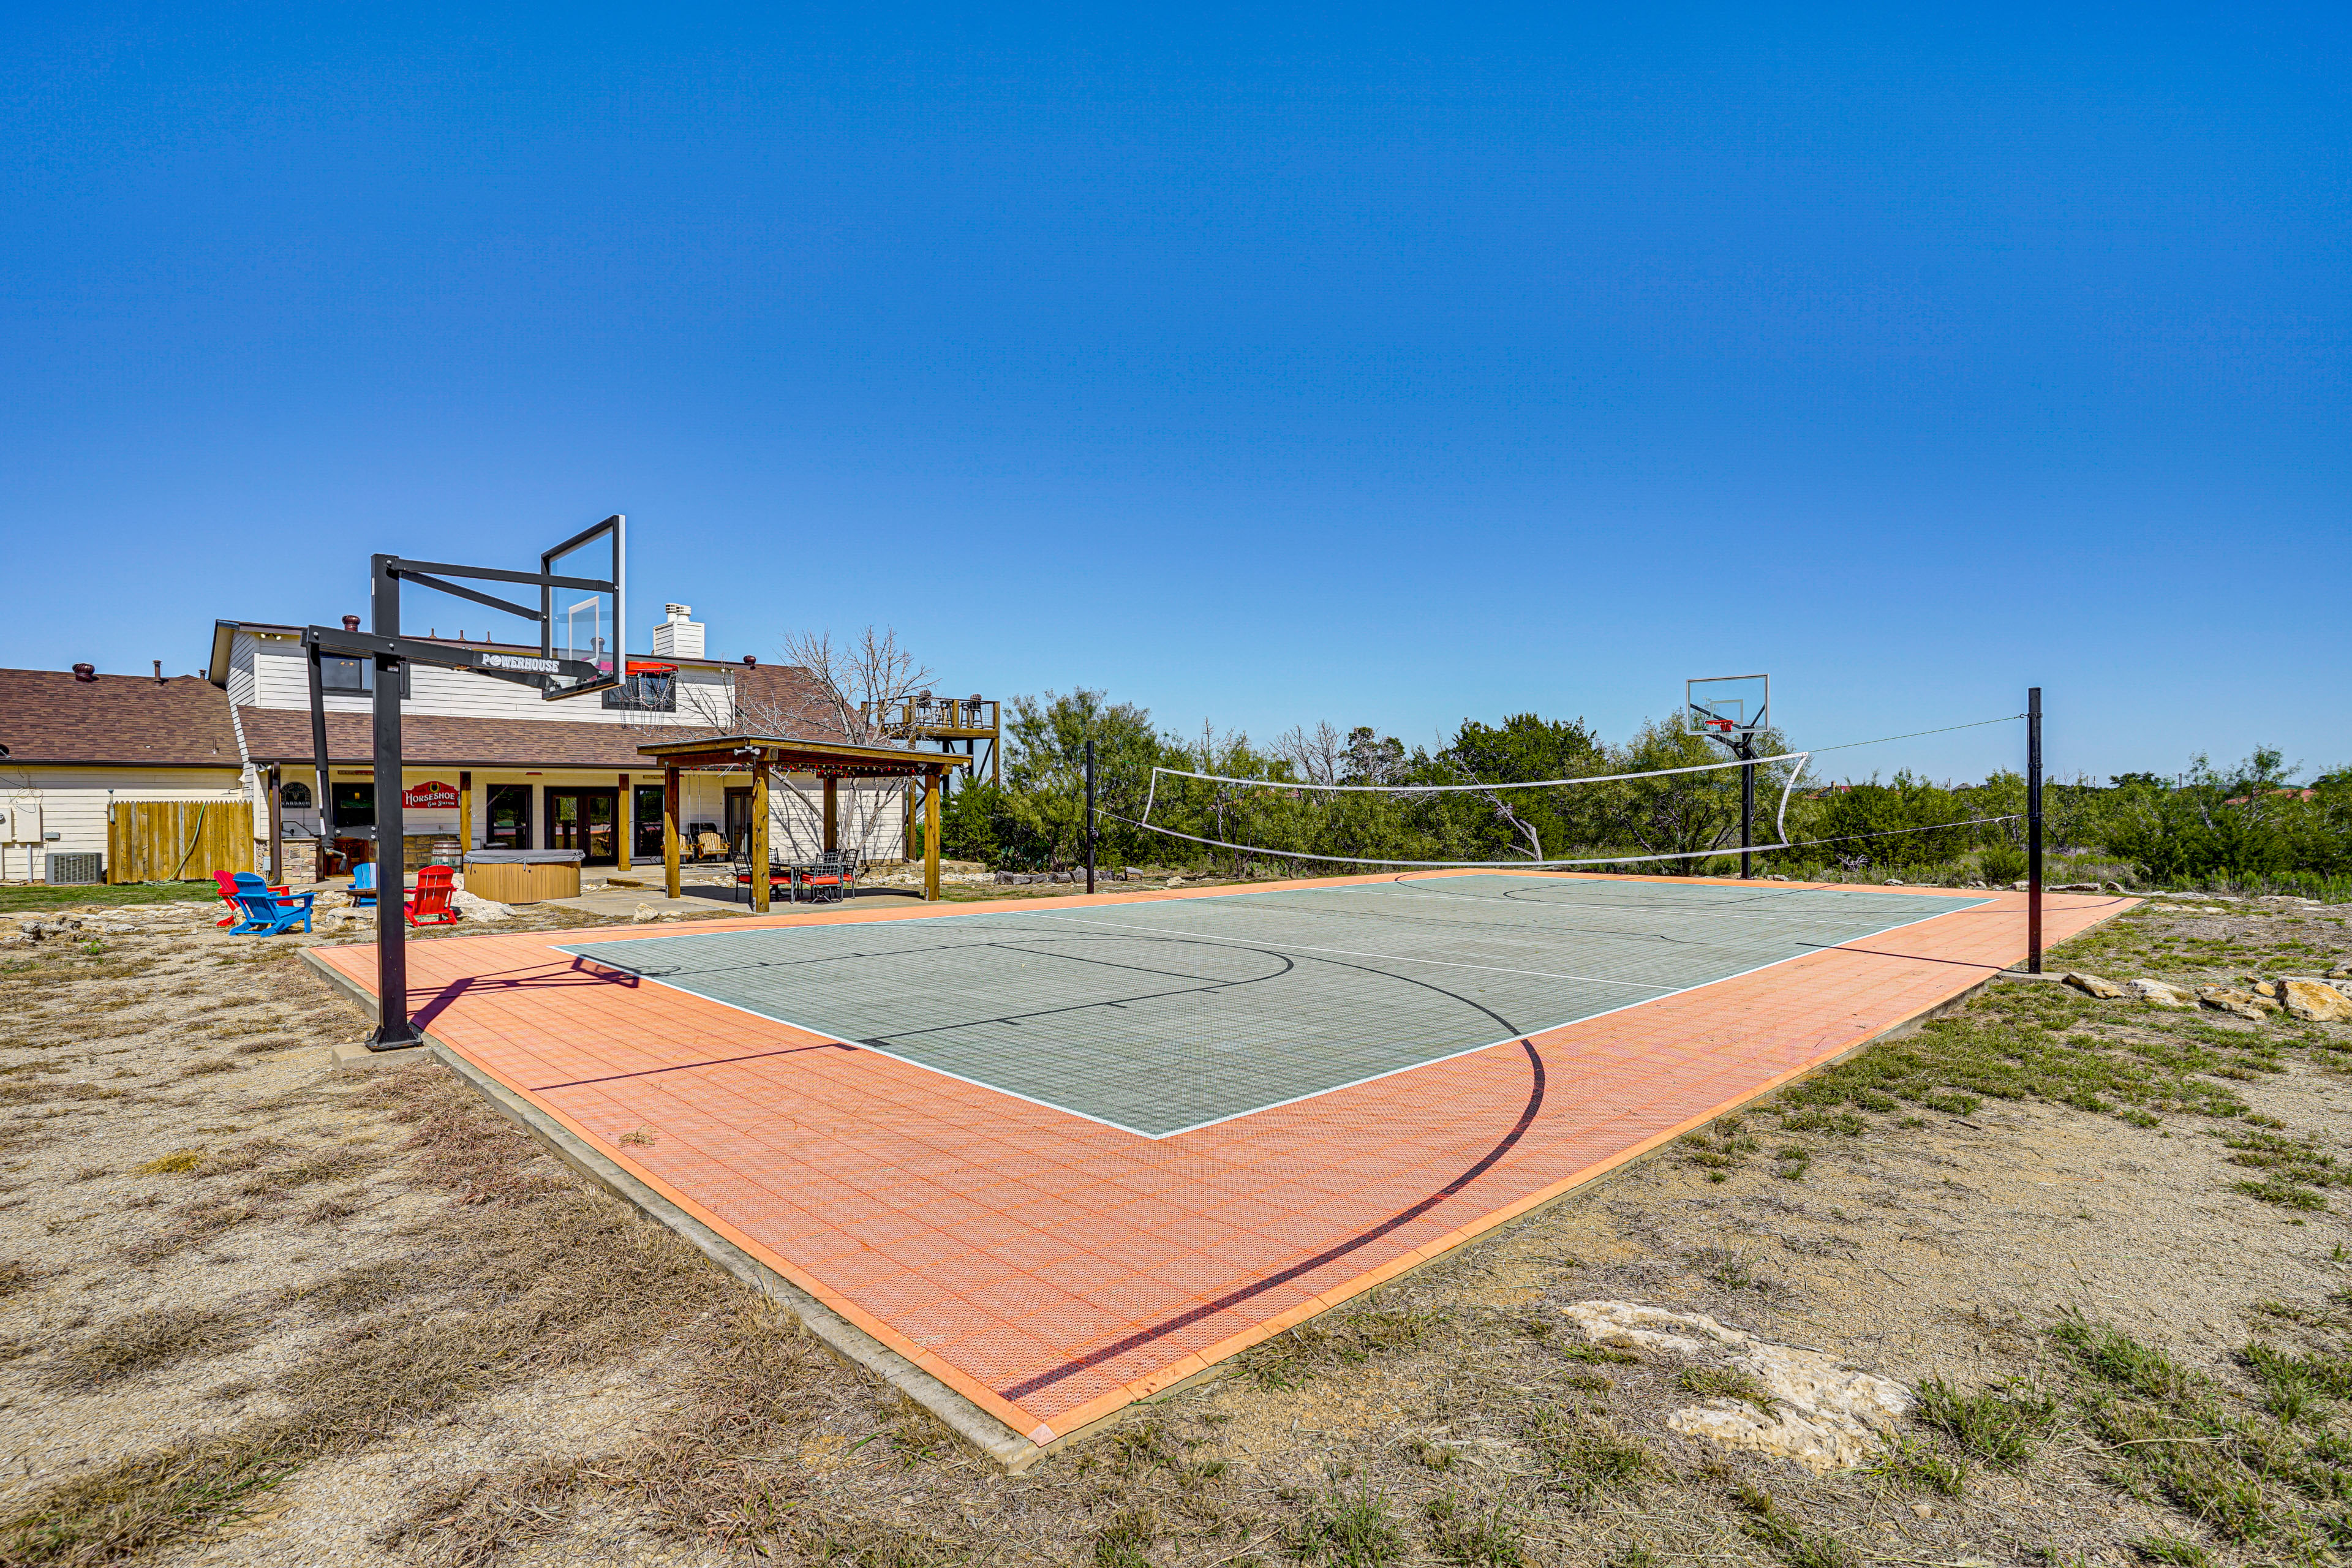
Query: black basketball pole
x=1090, y=813
x=1747, y=804
x=326, y=800
x=392, y=1028
x=2033, y=830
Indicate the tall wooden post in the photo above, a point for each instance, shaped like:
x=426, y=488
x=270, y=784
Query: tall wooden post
x=464, y=814
x=669, y=830
x=832, y=813
x=624, y=825
x=760, y=830
x=931, y=833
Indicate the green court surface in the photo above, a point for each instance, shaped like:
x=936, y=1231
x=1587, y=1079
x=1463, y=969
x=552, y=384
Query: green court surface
x=1161, y=1015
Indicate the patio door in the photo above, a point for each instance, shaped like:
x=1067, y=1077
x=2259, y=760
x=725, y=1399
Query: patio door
x=647, y=843
x=739, y=821
x=587, y=820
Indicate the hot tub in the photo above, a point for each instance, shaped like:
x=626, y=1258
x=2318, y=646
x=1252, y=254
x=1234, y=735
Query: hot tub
x=523, y=876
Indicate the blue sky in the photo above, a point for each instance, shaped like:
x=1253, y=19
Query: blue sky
x=1383, y=365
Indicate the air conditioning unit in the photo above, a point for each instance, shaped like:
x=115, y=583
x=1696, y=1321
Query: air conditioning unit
x=82, y=868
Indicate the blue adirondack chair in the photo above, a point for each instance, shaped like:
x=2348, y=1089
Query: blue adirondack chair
x=267, y=913
x=363, y=885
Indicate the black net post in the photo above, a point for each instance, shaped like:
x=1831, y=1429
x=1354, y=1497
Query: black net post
x=392, y=1028
x=1746, y=804
x=1090, y=814
x=2033, y=830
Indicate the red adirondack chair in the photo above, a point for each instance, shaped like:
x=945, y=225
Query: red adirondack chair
x=431, y=906
x=226, y=881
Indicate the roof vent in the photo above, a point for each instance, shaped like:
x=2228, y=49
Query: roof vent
x=85, y=673
x=750, y=661
x=159, y=672
x=678, y=637
x=351, y=623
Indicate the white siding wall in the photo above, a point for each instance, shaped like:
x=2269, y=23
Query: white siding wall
x=281, y=678
x=73, y=804
x=240, y=670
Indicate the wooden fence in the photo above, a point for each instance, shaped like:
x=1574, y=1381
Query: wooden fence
x=178, y=840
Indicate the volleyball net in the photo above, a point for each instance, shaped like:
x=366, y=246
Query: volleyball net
x=1666, y=817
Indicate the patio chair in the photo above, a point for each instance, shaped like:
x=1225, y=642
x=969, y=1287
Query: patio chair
x=431, y=906
x=227, y=882
x=363, y=885
x=832, y=875
x=778, y=877
x=267, y=913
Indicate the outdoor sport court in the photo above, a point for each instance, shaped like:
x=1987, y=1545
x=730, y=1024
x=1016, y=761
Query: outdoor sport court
x=1064, y=1154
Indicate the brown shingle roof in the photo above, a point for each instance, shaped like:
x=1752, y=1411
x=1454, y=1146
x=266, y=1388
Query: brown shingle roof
x=47, y=716
x=283, y=734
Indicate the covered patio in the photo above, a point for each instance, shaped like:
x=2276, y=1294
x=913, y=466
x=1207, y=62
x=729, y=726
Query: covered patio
x=762, y=756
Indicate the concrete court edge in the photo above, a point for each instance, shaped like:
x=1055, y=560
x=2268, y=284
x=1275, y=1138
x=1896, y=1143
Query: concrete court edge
x=998, y=1440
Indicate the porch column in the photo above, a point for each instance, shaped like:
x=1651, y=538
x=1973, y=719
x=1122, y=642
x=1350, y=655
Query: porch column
x=832, y=813
x=760, y=830
x=626, y=823
x=464, y=814
x=669, y=830
x=930, y=833
x=276, y=872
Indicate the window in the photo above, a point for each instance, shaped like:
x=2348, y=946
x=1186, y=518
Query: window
x=648, y=693
x=507, y=824
x=294, y=793
x=355, y=804
x=348, y=674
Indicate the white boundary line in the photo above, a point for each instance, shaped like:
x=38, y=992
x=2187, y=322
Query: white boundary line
x=1958, y=905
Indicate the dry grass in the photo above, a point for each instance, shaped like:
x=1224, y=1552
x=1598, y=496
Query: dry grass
x=145, y=1341
x=530, y=1274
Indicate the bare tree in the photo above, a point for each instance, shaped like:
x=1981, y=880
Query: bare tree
x=854, y=690
x=1320, y=757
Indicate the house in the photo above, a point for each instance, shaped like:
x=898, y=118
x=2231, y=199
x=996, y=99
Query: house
x=486, y=764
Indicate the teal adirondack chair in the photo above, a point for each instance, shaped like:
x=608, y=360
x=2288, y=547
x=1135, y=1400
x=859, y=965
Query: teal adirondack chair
x=267, y=913
x=363, y=885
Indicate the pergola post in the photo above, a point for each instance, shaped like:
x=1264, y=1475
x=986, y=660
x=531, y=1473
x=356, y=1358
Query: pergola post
x=464, y=814
x=832, y=813
x=669, y=830
x=760, y=829
x=931, y=833
x=624, y=826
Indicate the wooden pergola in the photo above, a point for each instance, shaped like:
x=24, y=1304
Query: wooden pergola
x=762, y=755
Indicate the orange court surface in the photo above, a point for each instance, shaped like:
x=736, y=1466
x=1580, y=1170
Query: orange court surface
x=1064, y=1154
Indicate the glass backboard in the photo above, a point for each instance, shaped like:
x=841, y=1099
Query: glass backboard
x=1729, y=707
x=587, y=616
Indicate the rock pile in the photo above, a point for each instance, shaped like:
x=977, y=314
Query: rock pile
x=1824, y=1415
x=2317, y=1001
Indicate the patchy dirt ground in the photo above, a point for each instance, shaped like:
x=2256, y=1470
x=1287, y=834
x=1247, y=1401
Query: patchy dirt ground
x=255, y=1311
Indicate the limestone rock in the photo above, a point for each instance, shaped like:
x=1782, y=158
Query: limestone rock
x=2162, y=992
x=2315, y=1002
x=2092, y=984
x=2238, y=1004
x=474, y=907
x=1823, y=1416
